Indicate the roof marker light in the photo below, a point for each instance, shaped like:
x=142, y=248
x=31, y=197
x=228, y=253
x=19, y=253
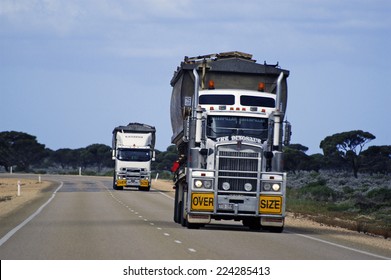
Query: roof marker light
x=261, y=86
x=211, y=84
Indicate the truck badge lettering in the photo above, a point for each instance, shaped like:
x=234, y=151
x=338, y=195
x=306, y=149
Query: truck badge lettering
x=238, y=138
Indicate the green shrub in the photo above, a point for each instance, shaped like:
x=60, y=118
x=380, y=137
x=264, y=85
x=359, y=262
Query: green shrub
x=380, y=195
x=341, y=207
x=318, y=191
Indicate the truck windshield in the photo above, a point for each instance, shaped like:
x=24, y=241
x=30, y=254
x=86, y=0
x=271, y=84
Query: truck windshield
x=134, y=154
x=220, y=126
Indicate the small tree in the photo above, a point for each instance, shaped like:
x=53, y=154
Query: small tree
x=347, y=146
x=377, y=159
x=295, y=158
x=20, y=149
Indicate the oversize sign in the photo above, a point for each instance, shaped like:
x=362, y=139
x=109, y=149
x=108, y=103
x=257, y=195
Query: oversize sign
x=143, y=183
x=270, y=204
x=202, y=201
x=121, y=183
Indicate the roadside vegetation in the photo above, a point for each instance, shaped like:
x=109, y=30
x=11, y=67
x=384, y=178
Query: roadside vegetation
x=348, y=186
x=338, y=199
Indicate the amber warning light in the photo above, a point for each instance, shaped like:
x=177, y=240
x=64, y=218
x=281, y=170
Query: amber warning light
x=261, y=86
x=211, y=84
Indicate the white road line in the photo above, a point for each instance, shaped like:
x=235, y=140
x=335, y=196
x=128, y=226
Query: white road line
x=159, y=228
x=14, y=230
x=162, y=193
x=338, y=245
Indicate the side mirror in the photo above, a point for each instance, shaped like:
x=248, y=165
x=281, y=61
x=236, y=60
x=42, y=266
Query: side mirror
x=287, y=133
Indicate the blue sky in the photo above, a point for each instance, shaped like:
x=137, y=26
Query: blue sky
x=70, y=71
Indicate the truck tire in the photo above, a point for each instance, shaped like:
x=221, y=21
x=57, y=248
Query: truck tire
x=274, y=229
x=192, y=225
x=147, y=189
x=253, y=223
x=115, y=187
x=182, y=217
x=176, y=206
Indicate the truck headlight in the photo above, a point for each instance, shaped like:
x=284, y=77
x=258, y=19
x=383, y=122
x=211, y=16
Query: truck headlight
x=248, y=187
x=267, y=187
x=271, y=187
x=198, y=183
x=276, y=187
x=226, y=186
x=207, y=184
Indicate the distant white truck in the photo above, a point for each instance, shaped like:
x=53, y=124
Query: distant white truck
x=133, y=151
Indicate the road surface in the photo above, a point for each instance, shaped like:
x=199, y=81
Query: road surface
x=83, y=218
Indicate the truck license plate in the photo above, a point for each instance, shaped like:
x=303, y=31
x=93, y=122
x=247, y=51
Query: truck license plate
x=144, y=183
x=226, y=206
x=270, y=204
x=121, y=183
x=202, y=201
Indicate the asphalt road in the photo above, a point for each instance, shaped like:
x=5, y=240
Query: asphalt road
x=83, y=218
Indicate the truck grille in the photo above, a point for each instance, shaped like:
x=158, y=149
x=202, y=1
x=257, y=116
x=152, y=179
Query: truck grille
x=134, y=173
x=238, y=167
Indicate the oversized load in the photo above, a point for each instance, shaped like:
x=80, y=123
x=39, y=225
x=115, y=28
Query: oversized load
x=229, y=70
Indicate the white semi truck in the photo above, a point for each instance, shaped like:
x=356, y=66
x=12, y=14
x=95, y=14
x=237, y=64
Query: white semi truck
x=133, y=150
x=227, y=116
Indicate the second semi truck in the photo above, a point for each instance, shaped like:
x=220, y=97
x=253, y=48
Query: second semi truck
x=133, y=150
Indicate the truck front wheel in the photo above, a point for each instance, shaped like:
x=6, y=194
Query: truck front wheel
x=274, y=229
x=253, y=223
x=144, y=189
x=115, y=187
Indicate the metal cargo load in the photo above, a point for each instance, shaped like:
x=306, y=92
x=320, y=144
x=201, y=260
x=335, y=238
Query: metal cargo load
x=136, y=128
x=228, y=70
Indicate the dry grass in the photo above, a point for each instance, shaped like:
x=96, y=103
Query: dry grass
x=9, y=199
